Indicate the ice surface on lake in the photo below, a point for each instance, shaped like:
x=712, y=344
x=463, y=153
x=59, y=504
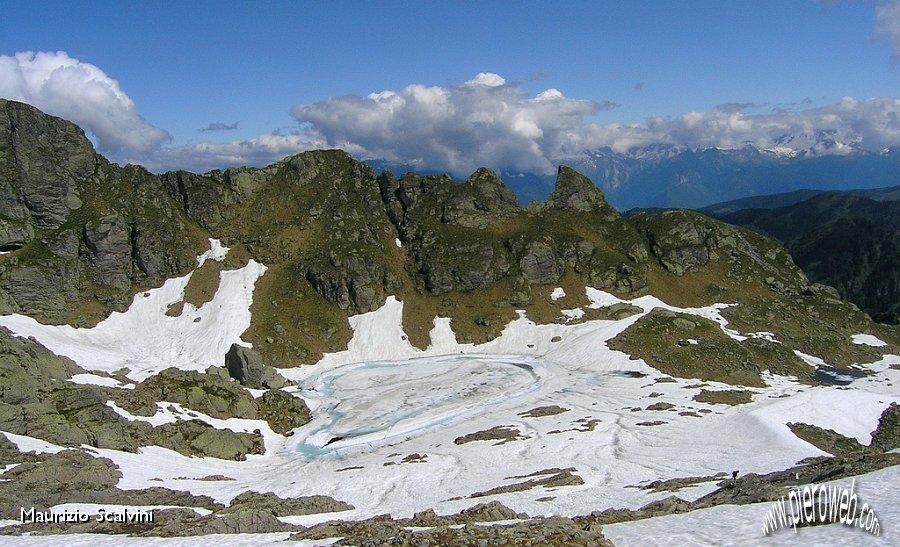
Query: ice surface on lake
x=364, y=404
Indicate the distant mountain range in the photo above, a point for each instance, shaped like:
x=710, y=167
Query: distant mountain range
x=668, y=176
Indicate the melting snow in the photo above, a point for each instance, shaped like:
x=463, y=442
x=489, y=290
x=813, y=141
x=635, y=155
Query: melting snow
x=741, y=525
x=868, y=340
x=145, y=340
x=382, y=399
x=216, y=251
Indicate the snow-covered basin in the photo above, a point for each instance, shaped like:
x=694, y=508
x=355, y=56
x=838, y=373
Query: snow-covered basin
x=382, y=400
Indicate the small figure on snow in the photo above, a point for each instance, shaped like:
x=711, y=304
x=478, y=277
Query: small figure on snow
x=734, y=475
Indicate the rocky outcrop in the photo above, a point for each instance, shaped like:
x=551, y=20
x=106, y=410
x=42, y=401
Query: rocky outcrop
x=281, y=507
x=107, y=247
x=84, y=234
x=212, y=392
x=283, y=411
x=576, y=193
x=887, y=436
x=246, y=366
x=539, y=263
x=446, y=530
x=685, y=242
x=36, y=399
x=353, y=281
x=244, y=521
x=72, y=476
x=42, y=161
x=195, y=437
x=215, y=394
x=480, y=200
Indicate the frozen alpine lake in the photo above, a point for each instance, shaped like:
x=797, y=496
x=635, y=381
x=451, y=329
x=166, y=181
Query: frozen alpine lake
x=362, y=405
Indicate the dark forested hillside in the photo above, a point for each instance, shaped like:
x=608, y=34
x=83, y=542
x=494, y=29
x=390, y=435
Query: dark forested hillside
x=841, y=239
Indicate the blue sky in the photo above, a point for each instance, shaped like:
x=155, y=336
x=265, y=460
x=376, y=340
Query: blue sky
x=186, y=66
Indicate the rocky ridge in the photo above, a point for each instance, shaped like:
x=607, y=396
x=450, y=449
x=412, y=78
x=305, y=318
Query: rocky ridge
x=81, y=237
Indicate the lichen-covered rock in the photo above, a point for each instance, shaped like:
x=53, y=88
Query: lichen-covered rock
x=887, y=436
x=540, y=264
x=108, y=248
x=42, y=161
x=244, y=521
x=281, y=507
x=194, y=437
x=73, y=476
x=37, y=400
x=354, y=281
x=685, y=242
x=15, y=235
x=68, y=476
x=482, y=199
x=214, y=393
x=283, y=411
x=84, y=234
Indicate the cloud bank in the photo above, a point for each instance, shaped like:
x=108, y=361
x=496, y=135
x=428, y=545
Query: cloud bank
x=487, y=121
x=82, y=93
x=201, y=157
x=887, y=24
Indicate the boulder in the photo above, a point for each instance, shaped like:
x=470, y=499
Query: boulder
x=283, y=411
x=246, y=366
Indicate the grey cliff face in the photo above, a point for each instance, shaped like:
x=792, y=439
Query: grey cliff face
x=42, y=161
x=103, y=231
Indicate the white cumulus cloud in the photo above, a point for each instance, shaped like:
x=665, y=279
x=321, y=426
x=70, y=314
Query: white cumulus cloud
x=488, y=121
x=485, y=121
x=82, y=93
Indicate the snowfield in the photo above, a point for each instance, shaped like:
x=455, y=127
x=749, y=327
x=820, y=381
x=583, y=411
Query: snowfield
x=399, y=430
x=741, y=525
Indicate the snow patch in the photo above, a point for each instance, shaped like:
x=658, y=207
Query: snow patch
x=216, y=252
x=144, y=339
x=811, y=360
x=94, y=508
x=557, y=293
x=573, y=314
x=741, y=525
x=172, y=412
x=30, y=444
x=868, y=340
x=95, y=380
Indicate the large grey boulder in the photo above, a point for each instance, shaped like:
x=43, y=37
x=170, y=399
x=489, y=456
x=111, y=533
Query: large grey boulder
x=246, y=366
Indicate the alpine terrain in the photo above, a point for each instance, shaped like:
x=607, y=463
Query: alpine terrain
x=320, y=352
